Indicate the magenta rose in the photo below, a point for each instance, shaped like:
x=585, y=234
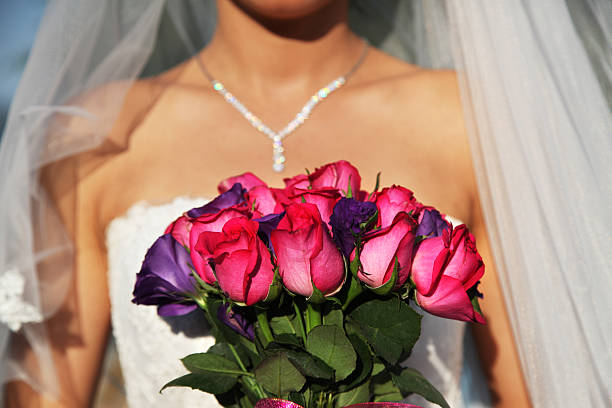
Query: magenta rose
x=325, y=199
x=242, y=263
x=385, y=247
x=181, y=227
x=210, y=223
x=263, y=201
x=392, y=200
x=299, y=181
x=248, y=180
x=305, y=252
x=336, y=175
x=444, y=269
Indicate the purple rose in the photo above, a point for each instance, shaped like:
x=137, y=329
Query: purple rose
x=230, y=198
x=431, y=223
x=235, y=321
x=346, y=219
x=165, y=279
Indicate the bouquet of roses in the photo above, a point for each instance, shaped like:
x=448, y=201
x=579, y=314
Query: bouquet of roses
x=310, y=289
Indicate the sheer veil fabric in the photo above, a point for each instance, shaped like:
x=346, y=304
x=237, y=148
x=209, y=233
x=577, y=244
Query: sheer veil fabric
x=536, y=81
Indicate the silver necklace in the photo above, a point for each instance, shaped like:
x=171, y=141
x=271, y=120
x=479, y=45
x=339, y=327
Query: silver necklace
x=278, y=156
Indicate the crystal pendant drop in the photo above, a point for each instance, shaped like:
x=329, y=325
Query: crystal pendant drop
x=277, y=155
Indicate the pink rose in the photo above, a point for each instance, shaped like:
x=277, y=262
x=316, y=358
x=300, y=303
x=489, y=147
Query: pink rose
x=210, y=223
x=336, y=175
x=180, y=229
x=392, y=200
x=443, y=270
x=305, y=252
x=241, y=260
x=325, y=199
x=248, y=181
x=383, y=248
x=263, y=201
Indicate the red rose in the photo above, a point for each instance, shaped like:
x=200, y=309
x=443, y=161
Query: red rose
x=443, y=270
x=336, y=175
x=210, y=223
x=242, y=262
x=384, y=248
x=392, y=200
x=299, y=181
x=325, y=199
x=305, y=252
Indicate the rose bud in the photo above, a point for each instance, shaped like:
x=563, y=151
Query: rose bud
x=210, y=223
x=306, y=254
x=165, y=279
x=443, y=270
x=346, y=220
x=431, y=223
x=236, y=321
x=387, y=254
x=247, y=180
x=392, y=200
x=242, y=263
x=325, y=199
x=336, y=175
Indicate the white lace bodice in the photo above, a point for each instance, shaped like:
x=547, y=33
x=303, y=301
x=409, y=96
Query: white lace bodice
x=150, y=348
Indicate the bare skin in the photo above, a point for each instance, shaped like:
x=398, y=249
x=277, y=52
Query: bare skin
x=392, y=117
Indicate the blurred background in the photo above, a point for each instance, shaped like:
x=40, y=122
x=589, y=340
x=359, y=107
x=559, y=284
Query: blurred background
x=18, y=25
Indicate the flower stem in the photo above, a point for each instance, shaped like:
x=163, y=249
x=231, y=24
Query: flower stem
x=355, y=289
x=262, y=319
x=249, y=381
x=298, y=314
x=313, y=316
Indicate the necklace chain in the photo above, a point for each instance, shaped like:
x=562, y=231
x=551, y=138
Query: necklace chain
x=278, y=150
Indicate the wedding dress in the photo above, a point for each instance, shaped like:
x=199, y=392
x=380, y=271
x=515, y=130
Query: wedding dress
x=150, y=347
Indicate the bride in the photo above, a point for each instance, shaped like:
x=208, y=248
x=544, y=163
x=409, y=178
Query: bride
x=117, y=173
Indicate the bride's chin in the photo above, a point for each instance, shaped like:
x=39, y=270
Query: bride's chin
x=282, y=9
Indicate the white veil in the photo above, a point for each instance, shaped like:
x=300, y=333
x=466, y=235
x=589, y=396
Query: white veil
x=536, y=85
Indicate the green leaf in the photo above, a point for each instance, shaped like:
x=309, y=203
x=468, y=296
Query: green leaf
x=331, y=345
x=282, y=324
x=354, y=396
x=393, y=336
x=207, y=381
x=278, y=376
x=412, y=381
x=209, y=362
x=223, y=349
x=310, y=365
x=383, y=384
x=286, y=339
x=377, y=368
x=334, y=317
x=390, y=397
x=364, y=363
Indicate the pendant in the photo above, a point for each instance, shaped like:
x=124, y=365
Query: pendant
x=277, y=155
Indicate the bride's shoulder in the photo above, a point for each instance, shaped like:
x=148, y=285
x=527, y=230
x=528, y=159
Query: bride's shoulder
x=398, y=80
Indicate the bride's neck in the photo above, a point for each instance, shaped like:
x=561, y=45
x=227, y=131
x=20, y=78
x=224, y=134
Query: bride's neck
x=259, y=53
